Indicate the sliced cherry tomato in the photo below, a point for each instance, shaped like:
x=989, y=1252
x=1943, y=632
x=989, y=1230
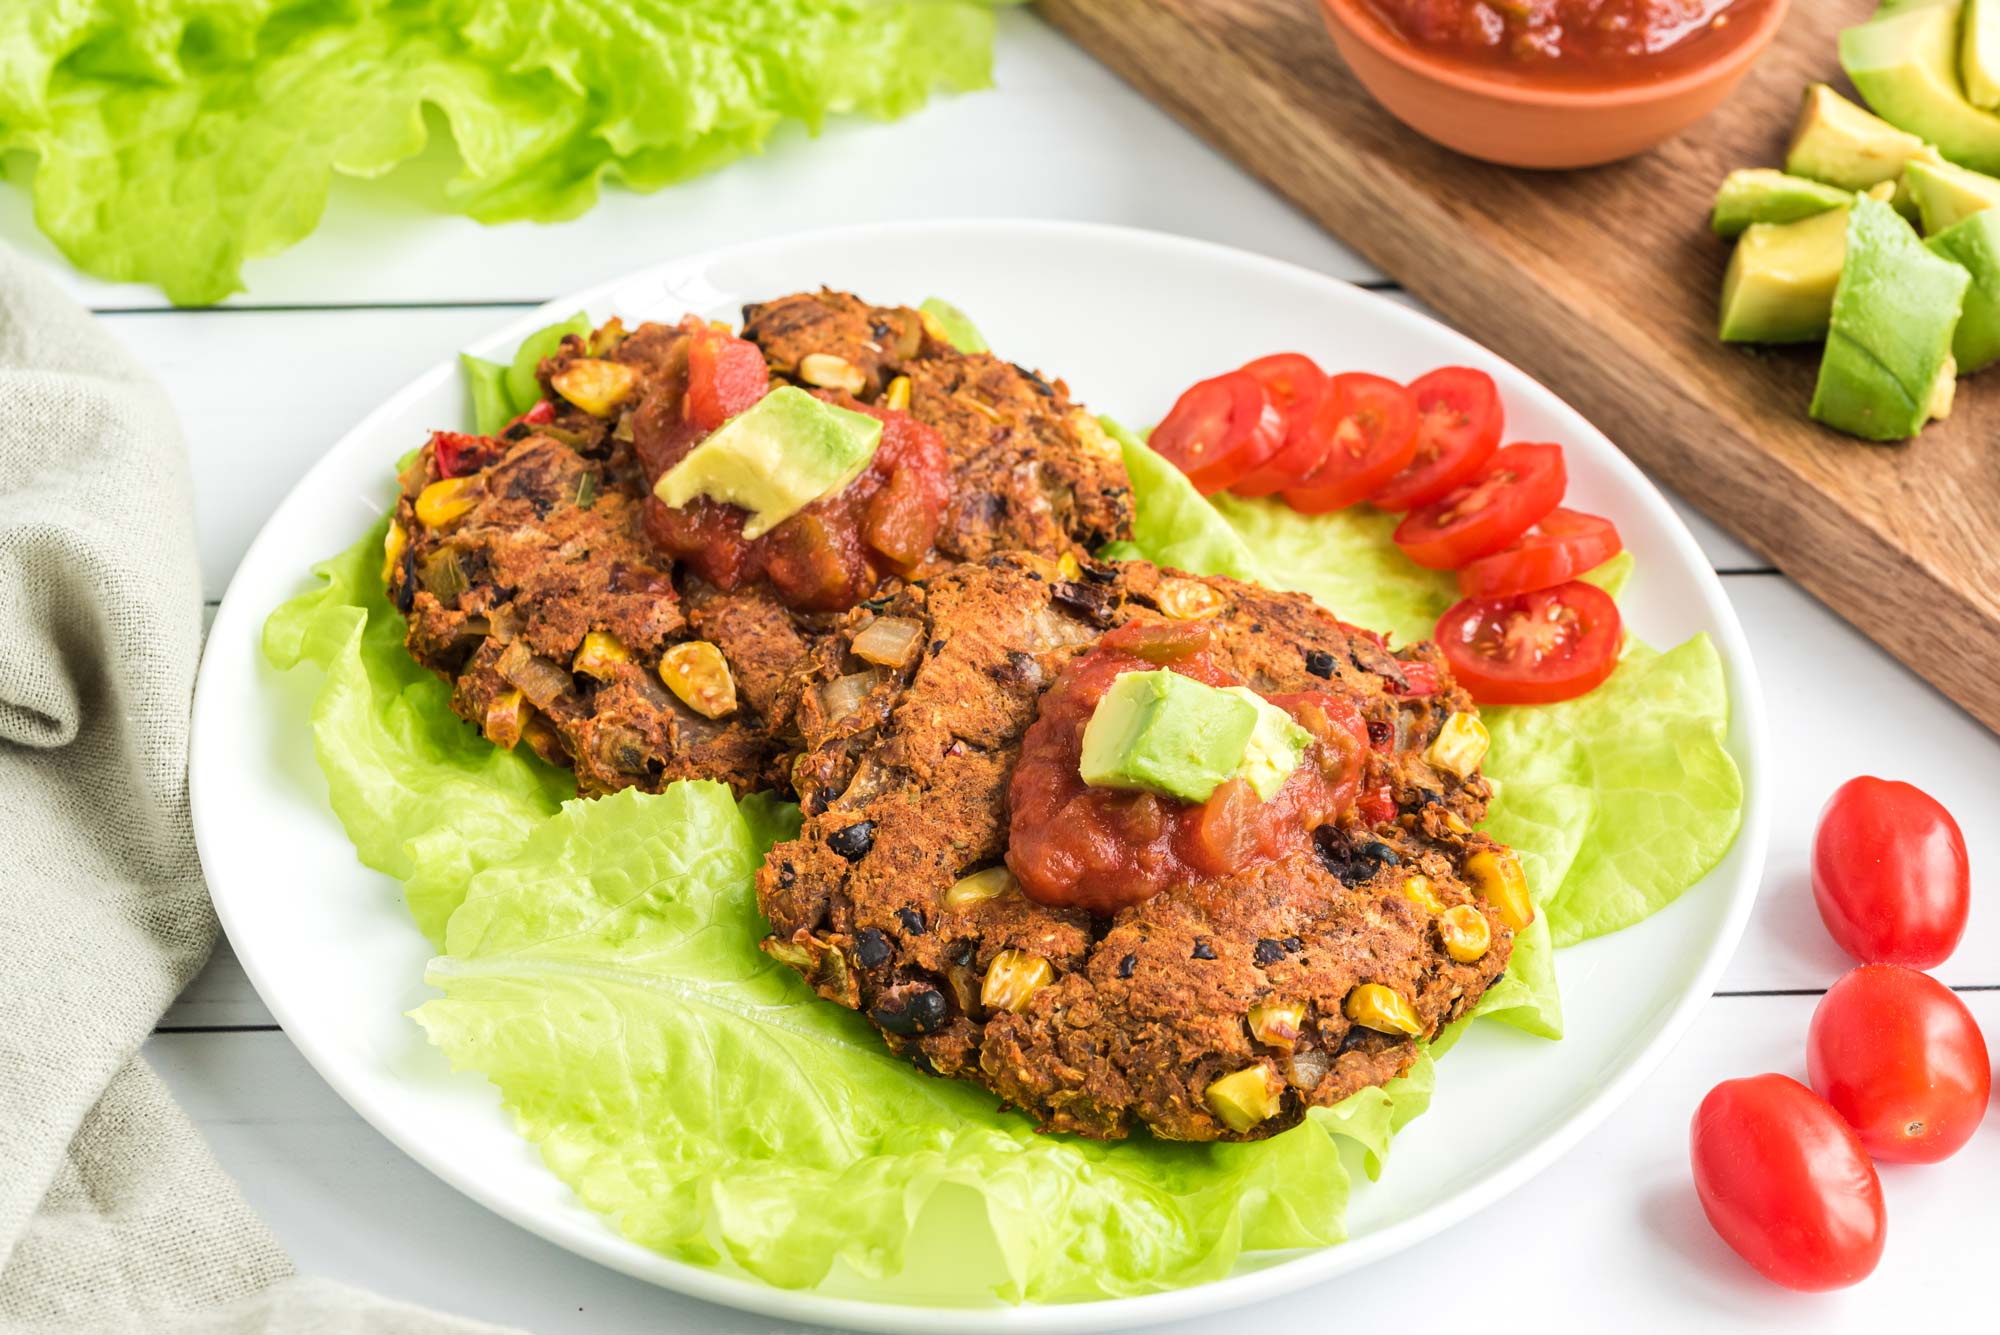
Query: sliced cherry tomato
x=1219, y=430
x=458, y=454
x=1564, y=545
x=1900, y=1057
x=1532, y=648
x=1296, y=385
x=541, y=414
x=726, y=375
x=1459, y=420
x=1889, y=874
x=1787, y=1184
x=1515, y=491
x=1377, y=806
x=1370, y=426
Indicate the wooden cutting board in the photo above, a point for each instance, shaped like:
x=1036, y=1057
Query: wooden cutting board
x=1603, y=285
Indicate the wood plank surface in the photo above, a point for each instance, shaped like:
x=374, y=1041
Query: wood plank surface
x=1603, y=284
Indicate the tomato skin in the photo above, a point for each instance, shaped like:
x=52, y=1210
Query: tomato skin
x=726, y=376
x=1516, y=490
x=1220, y=429
x=1370, y=426
x=1295, y=384
x=1889, y=874
x=1566, y=544
x=1787, y=1184
x=457, y=454
x=1459, y=421
x=1900, y=1057
x=1533, y=648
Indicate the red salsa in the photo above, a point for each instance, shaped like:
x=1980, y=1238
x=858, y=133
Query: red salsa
x=1573, y=41
x=833, y=553
x=1101, y=849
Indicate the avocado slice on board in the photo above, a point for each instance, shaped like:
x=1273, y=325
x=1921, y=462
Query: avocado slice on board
x=1945, y=195
x=1905, y=63
x=1979, y=52
x=1888, y=367
x=1761, y=195
x=1781, y=279
x=1974, y=245
x=1840, y=144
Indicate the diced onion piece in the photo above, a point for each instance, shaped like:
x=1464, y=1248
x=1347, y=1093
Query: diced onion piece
x=596, y=386
x=505, y=714
x=442, y=576
x=543, y=682
x=843, y=695
x=1189, y=599
x=1304, y=1070
x=978, y=887
x=446, y=499
x=698, y=674
x=888, y=641
x=1460, y=746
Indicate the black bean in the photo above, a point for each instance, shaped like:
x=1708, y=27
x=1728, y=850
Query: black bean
x=1268, y=951
x=913, y=921
x=966, y=954
x=1320, y=663
x=937, y=646
x=788, y=876
x=1292, y=944
x=1425, y=797
x=1381, y=735
x=406, y=588
x=1099, y=574
x=1127, y=965
x=853, y=842
x=1380, y=853
x=1203, y=951
x=871, y=948
x=916, y=1008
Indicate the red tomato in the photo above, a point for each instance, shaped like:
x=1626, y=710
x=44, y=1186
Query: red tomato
x=1370, y=426
x=1515, y=491
x=1532, y=648
x=1890, y=875
x=1459, y=420
x=1787, y=1184
x=458, y=454
x=1565, y=544
x=1219, y=430
x=726, y=375
x=1296, y=385
x=1900, y=1057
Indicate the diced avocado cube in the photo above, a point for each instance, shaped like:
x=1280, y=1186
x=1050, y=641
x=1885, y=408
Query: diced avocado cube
x=1760, y=195
x=1904, y=62
x=1945, y=195
x=1974, y=245
x=1979, y=53
x=775, y=458
x=1275, y=746
x=1164, y=733
x=1888, y=366
x=1839, y=144
x=1780, y=282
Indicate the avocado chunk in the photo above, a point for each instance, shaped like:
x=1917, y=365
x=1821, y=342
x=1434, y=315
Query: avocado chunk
x=1160, y=732
x=1780, y=283
x=1275, y=745
x=1888, y=367
x=775, y=458
x=1761, y=195
x=1944, y=194
x=1839, y=144
x=1974, y=245
x=955, y=325
x=1905, y=63
x=1979, y=52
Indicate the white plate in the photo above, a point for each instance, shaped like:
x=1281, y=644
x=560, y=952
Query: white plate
x=1129, y=318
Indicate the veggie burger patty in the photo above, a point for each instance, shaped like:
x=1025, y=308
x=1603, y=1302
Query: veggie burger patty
x=1220, y=1009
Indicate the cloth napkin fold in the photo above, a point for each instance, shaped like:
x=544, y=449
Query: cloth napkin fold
x=113, y=1215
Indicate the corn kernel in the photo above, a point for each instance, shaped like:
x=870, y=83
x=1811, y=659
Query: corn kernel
x=1244, y=1099
x=595, y=386
x=1496, y=873
x=980, y=406
x=506, y=713
x=1419, y=891
x=1460, y=746
x=394, y=543
x=1456, y=823
x=1189, y=599
x=897, y=397
x=934, y=328
x=1068, y=567
x=1466, y=933
x=1276, y=1024
x=1012, y=978
x=599, y=654
x=979, y=887
x=446, y=499
x=698, y=674
x=1383, y=1009
x=722, y=327
x=831, y=372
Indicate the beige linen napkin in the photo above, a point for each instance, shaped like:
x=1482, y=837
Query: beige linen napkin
x=113, y=1215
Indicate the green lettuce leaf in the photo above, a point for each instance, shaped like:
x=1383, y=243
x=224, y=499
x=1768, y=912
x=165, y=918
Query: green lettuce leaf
x=174, y=139
x=604, y=975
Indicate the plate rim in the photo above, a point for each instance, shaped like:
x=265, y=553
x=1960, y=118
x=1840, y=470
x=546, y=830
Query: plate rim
x=605, y=1246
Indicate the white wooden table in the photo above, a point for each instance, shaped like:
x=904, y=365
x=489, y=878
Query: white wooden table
x=1610, y=1239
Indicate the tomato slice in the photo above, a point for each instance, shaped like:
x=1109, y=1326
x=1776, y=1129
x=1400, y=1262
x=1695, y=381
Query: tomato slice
x=1459, y=419
x=1564, y=545
x=1296, y=385
x=726, y=375
x=1515, y=491
x=1370, y=426
x=1219, y=430
x=1532, y=648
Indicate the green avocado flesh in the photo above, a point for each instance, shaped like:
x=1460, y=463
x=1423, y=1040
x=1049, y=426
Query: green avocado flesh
x=1275, y=746
x=1979, y=52
x=1946, y=195
x=1974, y=245
x=1761, y=195
x=1781, y=279
x=1888, y=366
x=1837, y=143
x=1905, y=63
x=776, y=458
x=1164, y=733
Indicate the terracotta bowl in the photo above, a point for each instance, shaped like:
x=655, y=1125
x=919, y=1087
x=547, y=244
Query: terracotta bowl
x=1521, y=125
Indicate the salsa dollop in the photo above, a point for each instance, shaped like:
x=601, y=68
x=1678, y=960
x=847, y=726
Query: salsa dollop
x=1101, y=849
x=1579, y=41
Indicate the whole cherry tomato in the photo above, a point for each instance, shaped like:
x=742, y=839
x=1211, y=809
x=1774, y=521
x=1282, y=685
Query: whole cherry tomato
x=1786, y=1183
x=1900, y=1057
x=1890, y=875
